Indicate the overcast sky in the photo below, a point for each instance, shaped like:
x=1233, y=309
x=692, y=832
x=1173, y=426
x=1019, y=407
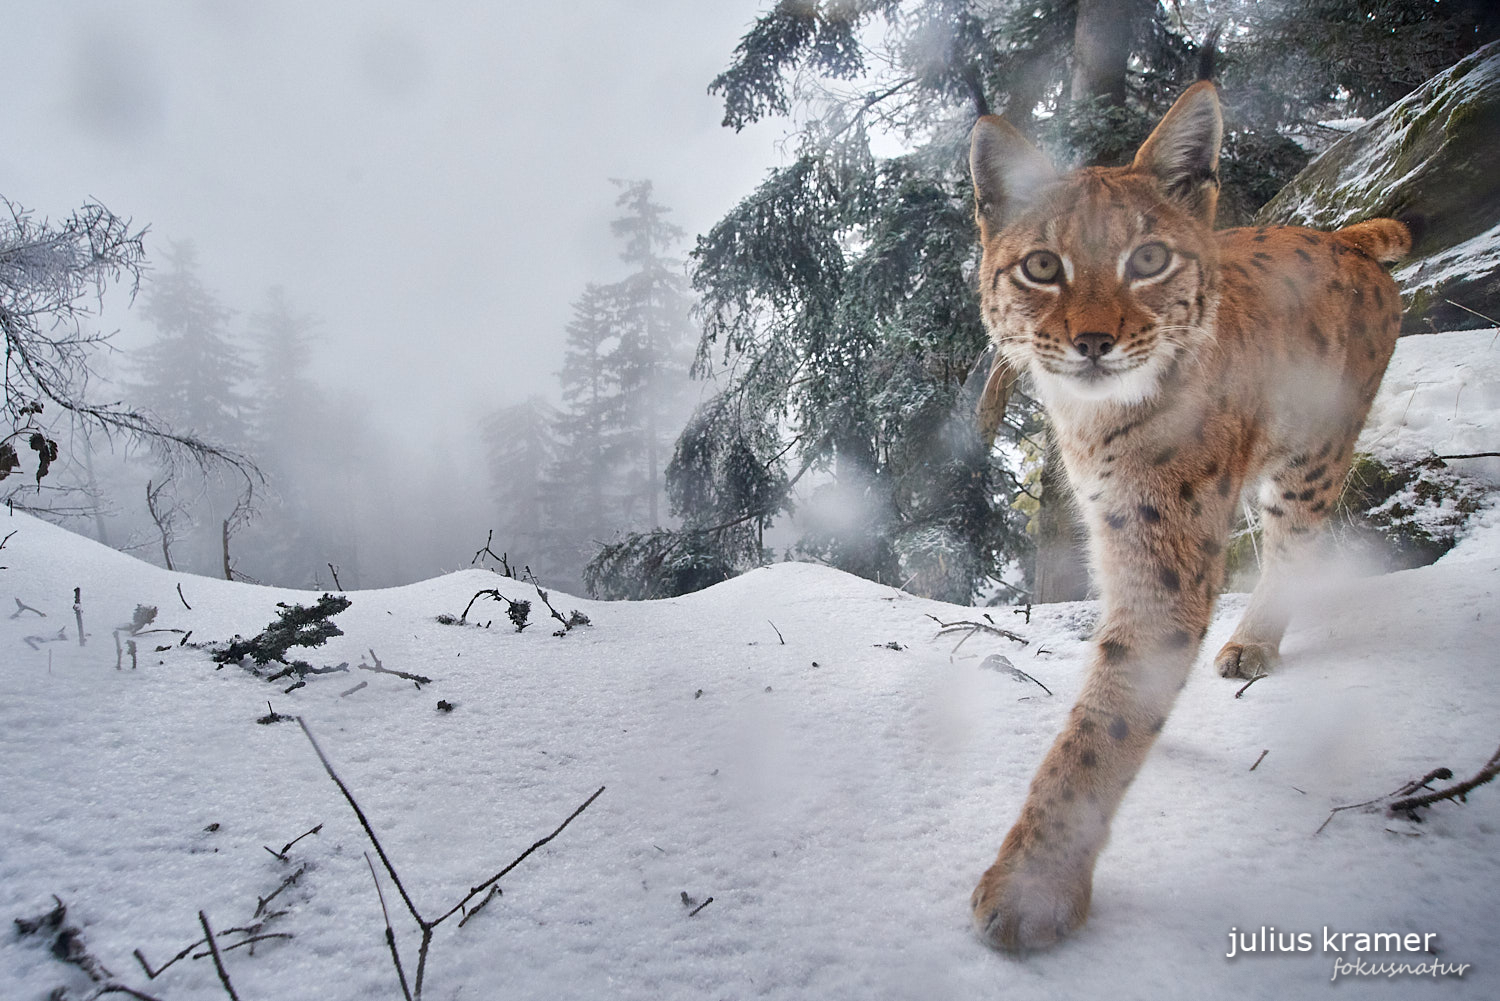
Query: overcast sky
x=431, y=179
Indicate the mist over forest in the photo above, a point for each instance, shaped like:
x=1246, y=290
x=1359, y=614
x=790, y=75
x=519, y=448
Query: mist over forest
x=635, y=301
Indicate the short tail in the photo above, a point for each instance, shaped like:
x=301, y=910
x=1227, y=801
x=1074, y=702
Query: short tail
x=1384, y=240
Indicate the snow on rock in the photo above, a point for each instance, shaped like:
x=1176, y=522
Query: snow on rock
x=1428, y=159
x=798, y=744
x=1440, y=396
x=1474, y=259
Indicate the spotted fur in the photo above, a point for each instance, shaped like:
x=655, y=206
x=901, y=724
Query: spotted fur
x=1248, y=362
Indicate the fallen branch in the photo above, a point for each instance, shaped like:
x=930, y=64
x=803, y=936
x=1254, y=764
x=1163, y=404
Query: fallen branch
x=1437, y=774
x=1457, y=791
x=997, y=662
x=253, y=932
x=380, y=668
x=35, y=642
x=67, y=945
x=516, y=611
x=778, y=632
x=181, y=598
x=575, y=617
x=971, y=628
x=1260, y=759
x=261, y=902
x=487, y=551
x=23, y=607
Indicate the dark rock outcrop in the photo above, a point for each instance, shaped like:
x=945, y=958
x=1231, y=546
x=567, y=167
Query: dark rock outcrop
x=1432, y=159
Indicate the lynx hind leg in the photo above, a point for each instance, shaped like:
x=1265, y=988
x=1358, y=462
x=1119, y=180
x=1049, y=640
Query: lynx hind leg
x=1294, y=505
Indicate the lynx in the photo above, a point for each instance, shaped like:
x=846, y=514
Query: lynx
x=1178, y=366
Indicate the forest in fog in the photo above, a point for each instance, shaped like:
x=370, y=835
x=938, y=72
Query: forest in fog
x=796, y=381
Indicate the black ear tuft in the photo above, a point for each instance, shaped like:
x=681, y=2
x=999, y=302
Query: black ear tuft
x=1208, y=52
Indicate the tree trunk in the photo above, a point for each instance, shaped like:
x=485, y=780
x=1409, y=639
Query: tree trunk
x=1102, y=35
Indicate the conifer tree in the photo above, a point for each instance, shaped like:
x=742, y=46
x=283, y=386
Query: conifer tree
x=588, y=427
x=192, y=374
x=654, y=351
x=193, y=377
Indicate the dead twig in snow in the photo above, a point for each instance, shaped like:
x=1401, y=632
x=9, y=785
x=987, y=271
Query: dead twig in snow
x=67, y=946
x=495, y=891
x=1260, y=759
x=778, y=632
x=1437, y=774
x=23, y=607
x=574, y=617
x=427, y=926
x=288, y=846
x=487, y=551
x=181, y=598
x=997, y=662
x=380, y=668
x=213, y=947
x=1247, y=684
x=390, y=935
x=78, y=612
x=971, y=627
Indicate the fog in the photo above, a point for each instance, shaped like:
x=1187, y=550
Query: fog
x=430, y=181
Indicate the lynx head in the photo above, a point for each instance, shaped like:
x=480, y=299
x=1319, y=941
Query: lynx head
x=1101, y=281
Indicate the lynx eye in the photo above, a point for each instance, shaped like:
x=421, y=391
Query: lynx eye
x=1042, y=266
x=1149, y=259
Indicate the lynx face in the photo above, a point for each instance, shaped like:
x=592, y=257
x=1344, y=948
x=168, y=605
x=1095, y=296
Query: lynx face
x=1100, y=288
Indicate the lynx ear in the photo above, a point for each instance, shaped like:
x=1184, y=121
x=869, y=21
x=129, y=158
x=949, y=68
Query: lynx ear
x=1183, y=151
x=1007, y=171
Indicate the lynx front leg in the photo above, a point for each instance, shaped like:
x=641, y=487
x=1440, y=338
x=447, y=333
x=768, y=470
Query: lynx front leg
x=1160, y=566
x=1038, y=889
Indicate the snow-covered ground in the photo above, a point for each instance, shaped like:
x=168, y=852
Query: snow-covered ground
x=836, y=794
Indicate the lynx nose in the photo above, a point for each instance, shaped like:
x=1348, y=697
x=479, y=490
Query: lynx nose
x=1094, y=344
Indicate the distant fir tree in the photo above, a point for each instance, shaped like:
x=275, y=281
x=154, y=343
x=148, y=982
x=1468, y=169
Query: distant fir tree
x=654, y=352
x=521, y=446
x=582, y=481
x=192, y=374
x=194, y=377
x=624, y=388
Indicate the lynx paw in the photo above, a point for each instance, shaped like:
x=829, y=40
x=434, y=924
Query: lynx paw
x=1246, y=660
x=1017, y=909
